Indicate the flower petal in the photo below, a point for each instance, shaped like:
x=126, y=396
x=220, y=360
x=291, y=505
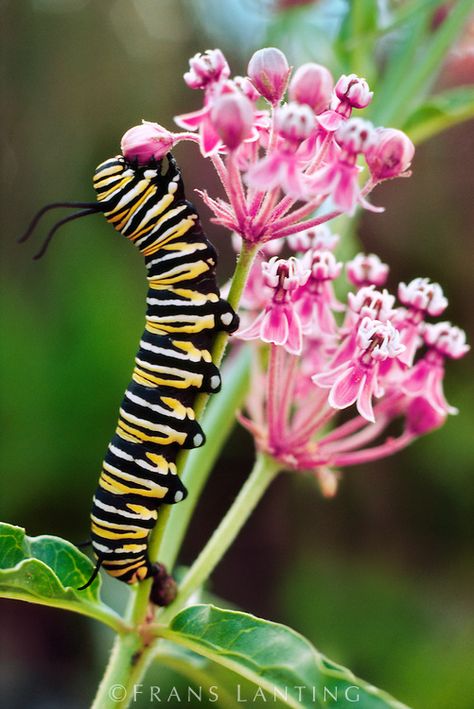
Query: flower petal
x=346, y=388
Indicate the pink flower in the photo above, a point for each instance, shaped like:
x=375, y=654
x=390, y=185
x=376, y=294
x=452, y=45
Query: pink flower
x=320, y=237
x=353, y=91
x=356, y=381
x=281, y=167
x=391, y=154
x=207, y=68
x=146, y=142
x=268, y=71
x=367, y=269
x=311, y=84
x=232, y=119
x=340, y=178
x=315, y=300
x=279, y=323
x=423, y=296
x=425, y=380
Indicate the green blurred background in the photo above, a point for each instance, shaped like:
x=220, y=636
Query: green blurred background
x=379, y=578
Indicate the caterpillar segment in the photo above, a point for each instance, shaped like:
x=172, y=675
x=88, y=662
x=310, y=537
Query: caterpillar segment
x=173, y=364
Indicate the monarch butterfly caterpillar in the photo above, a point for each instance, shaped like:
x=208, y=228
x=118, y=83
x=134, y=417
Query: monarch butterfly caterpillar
x=184, y=311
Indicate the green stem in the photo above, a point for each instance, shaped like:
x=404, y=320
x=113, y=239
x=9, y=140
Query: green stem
x=264, y=470
x=218, y=421
x=127, y=664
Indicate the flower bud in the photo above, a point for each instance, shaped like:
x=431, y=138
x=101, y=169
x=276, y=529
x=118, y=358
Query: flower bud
x=294, y=122
x=391, y=154
x=206, y=68
x=354, y=91
x=268, y=71
x=311, y=84
x=286, y=274
x=232, y=118
x=356, y=135
x=146, y=142
x=367, y=269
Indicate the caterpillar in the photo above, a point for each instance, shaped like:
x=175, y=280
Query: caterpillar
x=147, y=204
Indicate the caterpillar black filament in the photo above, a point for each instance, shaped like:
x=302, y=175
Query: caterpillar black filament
x=173, y=363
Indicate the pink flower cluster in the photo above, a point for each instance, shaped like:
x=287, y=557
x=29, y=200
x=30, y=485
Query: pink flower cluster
x=284, y=144
x=371, y=356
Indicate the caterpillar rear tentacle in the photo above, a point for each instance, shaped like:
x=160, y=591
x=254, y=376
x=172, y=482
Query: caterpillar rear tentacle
x=173, y=364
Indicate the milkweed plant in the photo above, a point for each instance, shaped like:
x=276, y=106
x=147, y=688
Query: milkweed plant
x=329, y=369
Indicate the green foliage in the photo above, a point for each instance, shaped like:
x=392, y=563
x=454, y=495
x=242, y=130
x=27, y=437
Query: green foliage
x=49, y=570
x=274, y=657
x=440, y=112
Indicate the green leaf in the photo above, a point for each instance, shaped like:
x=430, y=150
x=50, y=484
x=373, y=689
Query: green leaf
x=440, y=112
x=272, y=656
x=49, y=570
x=413, y=67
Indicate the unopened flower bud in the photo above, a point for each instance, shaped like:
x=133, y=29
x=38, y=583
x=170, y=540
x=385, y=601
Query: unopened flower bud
x=319, y=237
x=268, y=71
x=232, y=118
x=422, y=295
x=294, y=122
x=206, y=68
x=391, y=154
x=354, y=91
x=367, y=269
x=146, y=142
x=311, y=84
x=356, y=135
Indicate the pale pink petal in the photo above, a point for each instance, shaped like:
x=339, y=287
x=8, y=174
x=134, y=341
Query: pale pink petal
x=264, y=174
x=291, y=178
x=364, y=399
x=210, y=140
x=330, y=120
x=436, y=395
x=347, y=188
x=252, y=332
x=346, y=388
x=192, y=121
x=294, y=343
x=327, y=379
x=274, y=326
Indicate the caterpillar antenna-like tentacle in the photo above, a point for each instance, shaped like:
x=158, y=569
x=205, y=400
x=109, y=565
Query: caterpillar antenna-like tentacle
x=59, y=224
x=93, y=577
x=55, y=205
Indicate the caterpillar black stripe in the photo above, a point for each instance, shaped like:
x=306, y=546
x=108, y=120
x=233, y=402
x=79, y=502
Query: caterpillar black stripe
x=173, y=363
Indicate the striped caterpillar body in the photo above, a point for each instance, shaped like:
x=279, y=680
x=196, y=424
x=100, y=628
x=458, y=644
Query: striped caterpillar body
x=173, y=364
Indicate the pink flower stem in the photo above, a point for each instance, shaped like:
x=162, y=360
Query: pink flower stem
x=367, y=434
x=358, y=422
x=391, y=445
x=321, y=154
x=289, y=378
x=222, y=173
x=298, y=214
x=263, y=215
x=285, y=204
x=236, y=191
x=308, y=428
x=273, y=390
x=308, y=224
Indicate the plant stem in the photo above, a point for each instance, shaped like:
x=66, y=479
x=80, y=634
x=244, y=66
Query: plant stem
x=219, y=419
x=264, y=471
x=125, y=667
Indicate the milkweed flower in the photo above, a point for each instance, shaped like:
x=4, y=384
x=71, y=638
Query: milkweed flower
x=298, y=152
x=355, y=365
